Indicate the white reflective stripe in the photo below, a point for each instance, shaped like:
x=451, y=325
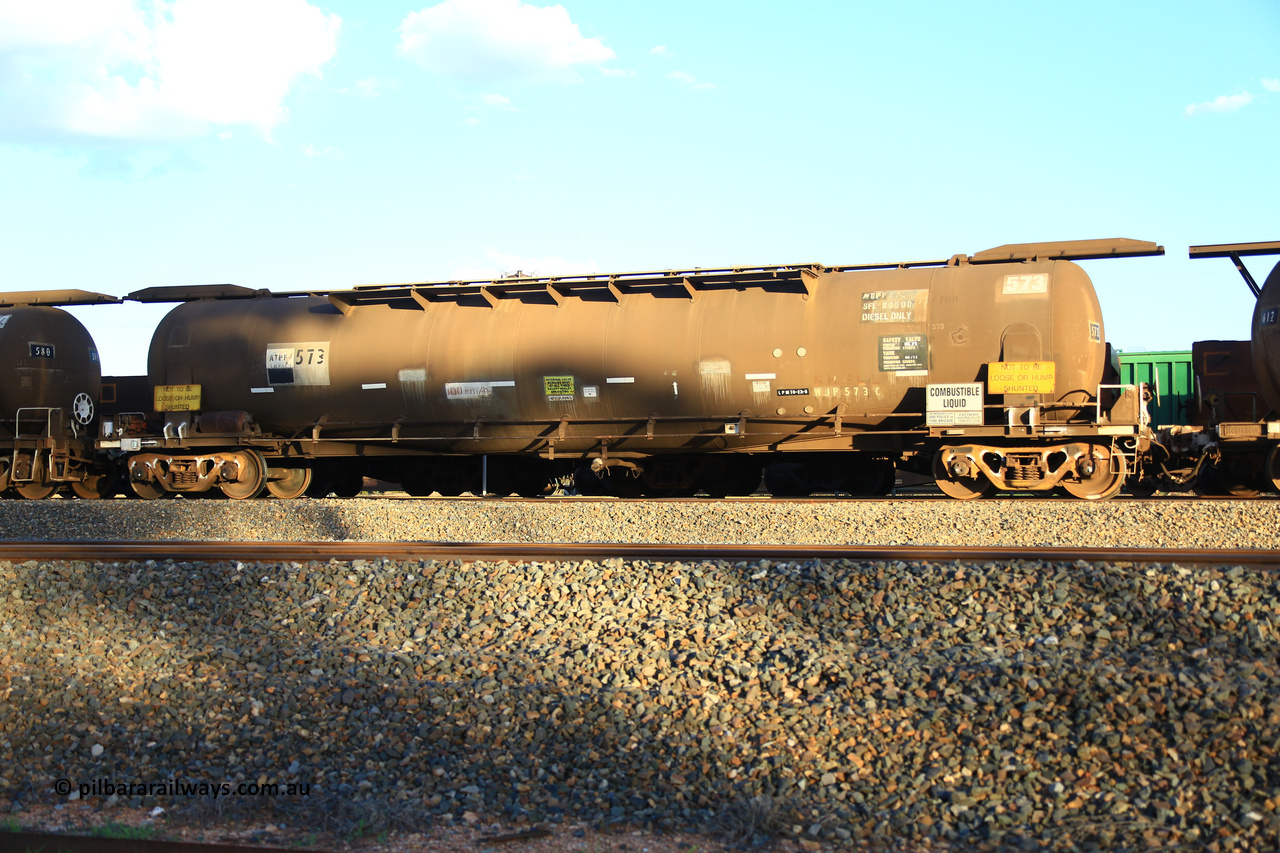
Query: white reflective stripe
x=762, y=376
x=374, y=386
x=262, y=390
x=620, y=380
x=505, y=383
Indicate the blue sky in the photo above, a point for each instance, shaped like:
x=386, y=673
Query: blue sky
x=295, y=145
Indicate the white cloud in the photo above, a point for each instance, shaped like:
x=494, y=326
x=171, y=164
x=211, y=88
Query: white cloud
x=659, y=50
x=151, y=71
x=502, y=265
x=326, y=153
x=691, y=81
x=367, y=87
x=500, y=101
x=1271, y=84
x=1220, y=104
x=618, y=72
x=477, y=43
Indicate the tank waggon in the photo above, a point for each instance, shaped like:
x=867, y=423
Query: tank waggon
x=1266, y=336
x=48, y=396
x=980, y=371
x=1234, y=452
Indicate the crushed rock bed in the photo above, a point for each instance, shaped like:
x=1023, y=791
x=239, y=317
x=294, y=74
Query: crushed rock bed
x=1050, y=704
x=1170, y=523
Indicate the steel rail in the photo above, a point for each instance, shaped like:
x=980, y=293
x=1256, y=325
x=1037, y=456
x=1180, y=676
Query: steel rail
x=59, y=843
x=284, y=551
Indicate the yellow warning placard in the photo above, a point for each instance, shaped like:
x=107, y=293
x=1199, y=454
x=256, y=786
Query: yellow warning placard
x=559, y=389
x=177, y=398
x=1021, y=377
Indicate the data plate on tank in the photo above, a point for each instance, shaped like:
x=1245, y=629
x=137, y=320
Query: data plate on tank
x=301, y=363
x=177, y=398
x=1021, y=377
x=904, y=354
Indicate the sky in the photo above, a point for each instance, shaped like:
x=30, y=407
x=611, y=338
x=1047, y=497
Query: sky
x=300, y=145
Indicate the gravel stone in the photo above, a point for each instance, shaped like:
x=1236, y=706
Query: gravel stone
x=1175, y=522
x=1066, y=706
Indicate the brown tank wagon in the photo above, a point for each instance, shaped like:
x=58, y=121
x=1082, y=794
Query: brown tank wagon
x=48, y=395
x=984, y=372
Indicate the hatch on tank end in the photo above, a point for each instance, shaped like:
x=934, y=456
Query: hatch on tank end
x=1068, y=250
x=56, y=297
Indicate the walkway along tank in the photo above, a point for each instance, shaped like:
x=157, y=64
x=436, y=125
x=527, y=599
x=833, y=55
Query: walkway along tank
x=983, y=371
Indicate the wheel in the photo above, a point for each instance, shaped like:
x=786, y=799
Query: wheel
x=1144, y=488
x=288, y=483
x=745, y=480
x=786, y=480
x=962, y=488
x=1272, y=471
x=415, y=485
x=319, y=488
x=872, y=480
x=417, y=478
x=1236, y=476
x=731, y=475
x=150, y=491
x=347, y=484
x=528, y=478
x=96, y=486
x=252, y=478
x=38, y=487
x=533, y=486
x=456, y=475
x=1105, y=482
x=1216, y=481
x=39, y=490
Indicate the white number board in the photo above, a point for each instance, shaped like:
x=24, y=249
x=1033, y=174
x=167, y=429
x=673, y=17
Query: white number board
x=302, y=363
x=955, y=404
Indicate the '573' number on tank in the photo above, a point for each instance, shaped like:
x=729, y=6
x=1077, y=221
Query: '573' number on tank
x=300, y=363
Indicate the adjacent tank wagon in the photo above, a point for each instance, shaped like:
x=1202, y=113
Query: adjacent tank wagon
x=984, y=372
x=1236, y=449
x=49, y=395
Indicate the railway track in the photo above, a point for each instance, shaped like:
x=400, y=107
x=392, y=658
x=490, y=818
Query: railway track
x=279, y=551
x=43, y=842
